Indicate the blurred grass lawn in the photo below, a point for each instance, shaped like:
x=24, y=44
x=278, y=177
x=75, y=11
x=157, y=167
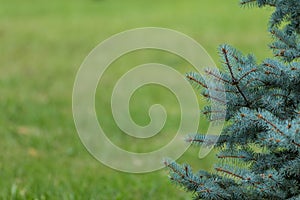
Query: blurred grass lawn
x=42, y=44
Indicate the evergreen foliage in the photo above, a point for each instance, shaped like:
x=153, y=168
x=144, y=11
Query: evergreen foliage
x=260, y=146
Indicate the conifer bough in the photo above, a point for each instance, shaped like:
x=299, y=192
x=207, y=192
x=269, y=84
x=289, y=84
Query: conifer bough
x=259, y=149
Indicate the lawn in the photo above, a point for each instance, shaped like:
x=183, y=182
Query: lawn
x=43, y=43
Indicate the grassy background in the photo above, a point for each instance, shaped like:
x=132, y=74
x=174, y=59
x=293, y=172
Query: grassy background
x=42, y=44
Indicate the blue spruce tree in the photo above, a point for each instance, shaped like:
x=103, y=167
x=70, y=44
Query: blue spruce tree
x=259, y=149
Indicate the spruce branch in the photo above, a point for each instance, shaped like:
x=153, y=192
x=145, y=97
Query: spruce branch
x=234, y=81
x=259, y=149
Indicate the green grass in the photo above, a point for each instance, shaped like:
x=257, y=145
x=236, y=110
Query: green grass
x=42, y=44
